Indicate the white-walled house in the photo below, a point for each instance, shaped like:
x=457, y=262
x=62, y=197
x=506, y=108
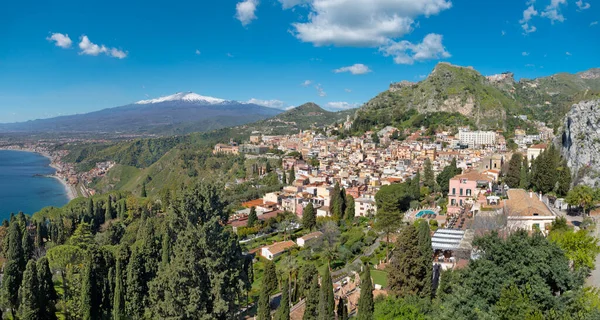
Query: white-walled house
x=364, y=207
x=525, y=210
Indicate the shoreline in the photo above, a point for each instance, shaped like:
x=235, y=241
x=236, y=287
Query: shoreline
x=70, y=191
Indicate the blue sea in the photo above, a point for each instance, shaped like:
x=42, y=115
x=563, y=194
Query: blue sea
x=25, y=184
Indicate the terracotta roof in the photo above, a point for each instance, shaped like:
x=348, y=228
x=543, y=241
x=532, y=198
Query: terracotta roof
x=313, y=235
x=253, y=203
x=279, y=247
x=539, y=146
x=472, y=176
x=521, y=203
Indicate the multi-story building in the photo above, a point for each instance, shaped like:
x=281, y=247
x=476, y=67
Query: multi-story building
x=477, y=138
x=464, y=188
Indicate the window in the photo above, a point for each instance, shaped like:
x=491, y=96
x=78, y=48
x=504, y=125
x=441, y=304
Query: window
x=461, y=202
x=461, y=191
x=453, y=191
x=453, y=202
x=468, y=192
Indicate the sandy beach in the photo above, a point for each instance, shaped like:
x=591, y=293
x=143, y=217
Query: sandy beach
x=70, y=190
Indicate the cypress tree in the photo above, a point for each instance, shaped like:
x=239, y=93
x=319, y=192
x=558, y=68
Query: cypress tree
x=415, y=184
x=309, y=217
x=264, y=308
x=270, y=277
x=335, y=202
x=90, y=208
x=524, y=174
x=564, y=179
x=342, y=310
x=28, y=248
x=350, y=208
x=13, y=268
x=513, y=173
x=284, y=177
x=407, y=268
x=47, y=294
x=292, y=175
x=366, y=307
x=136, y=285
x=283, y=312
x=118, y=312
x=312, y=300
x=109, y=214
x=144, y=193
x=29, y=308
x=428, y=175
x=39, y=238
x=87, y=291
x=426, y=258
x=166, y=248
x=326, y=299
x=252, y=218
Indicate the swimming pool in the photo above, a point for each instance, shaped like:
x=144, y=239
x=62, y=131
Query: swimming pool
x=424, y=212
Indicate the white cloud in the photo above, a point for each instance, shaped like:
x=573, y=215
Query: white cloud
x=320, y=91
x=348, y=90
x=229, y=55
x=568, y=53
x=503, y=33
x=278, y=104
x=306, y=83
x=89, y=48
x=529, y=65
x=355, y=69
x=582, y=5
x=527, y=15
x=286, y=4
x=405, y=52
x=362, y=23
x=340, y=105
x=245, y=11
x=524, y=53
x=552, y=11
x=60, y=40
x=198, y=52
x=593, y=23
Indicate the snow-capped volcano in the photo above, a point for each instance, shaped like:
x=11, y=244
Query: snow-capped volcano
x=184, y=96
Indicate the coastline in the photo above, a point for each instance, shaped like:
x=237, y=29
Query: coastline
x=70, y=190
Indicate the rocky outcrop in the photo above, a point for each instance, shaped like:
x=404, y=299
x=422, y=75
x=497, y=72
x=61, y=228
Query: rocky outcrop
x=580, y=142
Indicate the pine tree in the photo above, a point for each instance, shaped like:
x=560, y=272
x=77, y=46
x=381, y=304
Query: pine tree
x=264, y=303
x=312, y=300
x=47, y=296
x=326, y=299
x=118, y=312
x=366, y=306
x=252, y=218
x=270, y=276
x=428, y=175
x=283, y=312
x=13, y=268
x=309, y=217
x=29, y=308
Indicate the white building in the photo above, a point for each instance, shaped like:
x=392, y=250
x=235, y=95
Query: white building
x=364, y=207
x=477, y=138
x=534, y=151
x=311, y=236
x=525, y=210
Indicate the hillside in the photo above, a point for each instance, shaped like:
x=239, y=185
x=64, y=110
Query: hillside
x=490, y=102
x=176, y=114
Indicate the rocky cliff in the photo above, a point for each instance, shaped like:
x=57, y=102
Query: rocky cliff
x=581, y=142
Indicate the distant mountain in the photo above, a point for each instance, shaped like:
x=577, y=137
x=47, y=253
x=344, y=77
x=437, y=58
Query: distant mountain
x=179, y=113
x=490, y=102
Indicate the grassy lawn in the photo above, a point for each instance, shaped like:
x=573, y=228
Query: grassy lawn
x=379, y=277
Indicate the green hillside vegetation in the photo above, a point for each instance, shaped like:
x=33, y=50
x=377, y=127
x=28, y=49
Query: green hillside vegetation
x=490, y=104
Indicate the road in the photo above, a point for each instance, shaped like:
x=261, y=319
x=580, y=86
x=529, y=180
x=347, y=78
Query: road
x=594, y=278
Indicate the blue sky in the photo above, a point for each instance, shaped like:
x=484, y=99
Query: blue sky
x=278, y=52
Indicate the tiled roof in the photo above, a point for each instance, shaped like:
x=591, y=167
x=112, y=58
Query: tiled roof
x=279, y=247
x=521, y=203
